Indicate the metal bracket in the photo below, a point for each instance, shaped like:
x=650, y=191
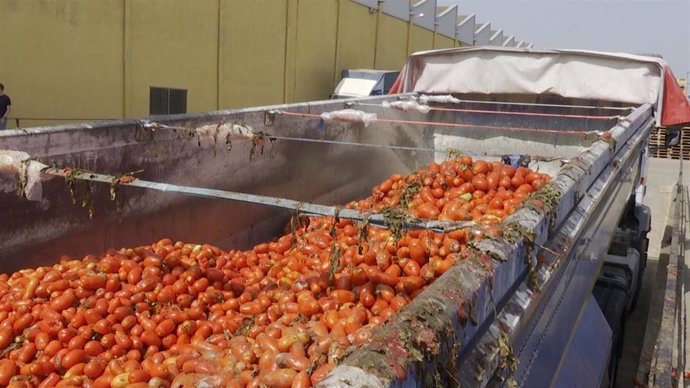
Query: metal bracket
x=376, y=219
x=270, y=118
x=142, y=133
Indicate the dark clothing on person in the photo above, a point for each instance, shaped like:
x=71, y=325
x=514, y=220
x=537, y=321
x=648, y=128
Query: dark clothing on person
x=4, y=103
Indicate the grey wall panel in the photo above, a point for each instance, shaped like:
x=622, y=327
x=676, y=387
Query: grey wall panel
x=445, y=22
x=368, y=3
x=397, y=8
x=464, y=31
x=496, y=38
x=423, y=14
x=482, y=35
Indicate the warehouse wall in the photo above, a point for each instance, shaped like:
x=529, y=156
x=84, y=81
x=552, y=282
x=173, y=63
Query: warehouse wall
x=420, y=39
x=442, y=42
x=91, y=60
x=252, y=74
x=317, y=27
x=356, y=40
x=62, y=59
x=391, y=45
x=171, y=43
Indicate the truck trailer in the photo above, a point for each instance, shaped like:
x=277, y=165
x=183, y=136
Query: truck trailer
x=536, y=298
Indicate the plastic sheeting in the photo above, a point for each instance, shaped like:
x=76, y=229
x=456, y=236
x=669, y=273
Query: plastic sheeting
x=630, y=79
x=407, y=106
x=225, y=131
x=349, y=115
x=19, y=163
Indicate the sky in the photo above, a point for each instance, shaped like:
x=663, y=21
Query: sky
x=632, y=26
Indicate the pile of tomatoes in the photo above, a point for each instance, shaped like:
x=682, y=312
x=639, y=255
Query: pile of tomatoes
x=458, y=190
x=279, y=315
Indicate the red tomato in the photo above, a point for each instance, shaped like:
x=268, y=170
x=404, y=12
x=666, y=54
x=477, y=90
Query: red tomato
x=63, y=301
x=480, y=183
x=480, y=167
x=73, y=357
x=165, y=327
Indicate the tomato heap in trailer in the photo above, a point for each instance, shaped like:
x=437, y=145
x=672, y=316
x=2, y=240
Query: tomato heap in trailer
x=278, y=315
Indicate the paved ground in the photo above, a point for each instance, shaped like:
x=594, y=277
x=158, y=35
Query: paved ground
x=662, y=175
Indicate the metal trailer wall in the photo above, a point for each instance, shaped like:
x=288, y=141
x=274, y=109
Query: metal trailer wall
x=34, y=233
x=514, y=334
x=37, y=233
x=81, y=60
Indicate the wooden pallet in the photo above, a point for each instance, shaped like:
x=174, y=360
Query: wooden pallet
x=682, y=149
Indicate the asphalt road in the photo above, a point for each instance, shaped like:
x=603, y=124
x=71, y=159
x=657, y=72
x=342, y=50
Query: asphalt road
x=662, y=175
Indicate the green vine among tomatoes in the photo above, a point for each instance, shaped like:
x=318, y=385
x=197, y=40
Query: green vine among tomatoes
x=79, y=190
x=23, y=178
x=297, y=221
x=395, y=220
x=114, y=187
x=335, y=249
x=257, y=141
x=362, y=233
x=246, y=327
x=508, y=361
x=453, y=153
x=409, y=192
x=15, y=344
x=544, y=201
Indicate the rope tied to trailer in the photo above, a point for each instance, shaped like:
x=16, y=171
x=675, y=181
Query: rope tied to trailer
x=410, y=105
x=262, y=136
x=352, y=118
x=449, y=99
x=221, y=130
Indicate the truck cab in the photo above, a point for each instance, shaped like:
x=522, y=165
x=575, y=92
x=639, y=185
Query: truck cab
x=363, y=83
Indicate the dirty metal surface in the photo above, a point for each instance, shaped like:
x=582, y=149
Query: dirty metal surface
x=459, y=310
x=592, y=175
x=36, y=233
x=532, y=319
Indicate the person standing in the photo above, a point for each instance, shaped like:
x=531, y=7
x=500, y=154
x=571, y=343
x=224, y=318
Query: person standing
x=5, y=107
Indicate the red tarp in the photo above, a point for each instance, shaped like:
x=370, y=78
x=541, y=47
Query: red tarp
x=676, y=107
x=397, y=85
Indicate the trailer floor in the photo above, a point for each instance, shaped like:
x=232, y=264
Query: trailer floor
x=662, y=175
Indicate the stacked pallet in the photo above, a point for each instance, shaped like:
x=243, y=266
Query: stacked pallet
x=656, y=143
